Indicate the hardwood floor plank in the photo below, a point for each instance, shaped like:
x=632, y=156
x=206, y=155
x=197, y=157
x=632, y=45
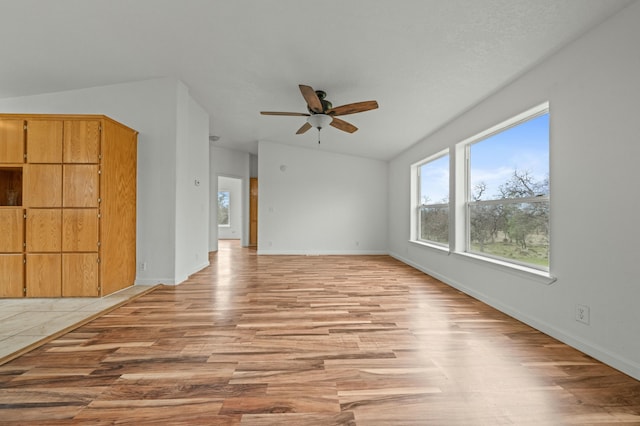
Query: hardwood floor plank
x=310, y=340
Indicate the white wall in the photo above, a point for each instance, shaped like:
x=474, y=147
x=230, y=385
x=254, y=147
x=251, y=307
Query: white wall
x=234, y=187
x=315, y=202
x=150, y=107
x=593, y=87
x=192, y=187
x=235, y=164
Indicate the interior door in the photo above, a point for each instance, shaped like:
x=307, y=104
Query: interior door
x=253, y=212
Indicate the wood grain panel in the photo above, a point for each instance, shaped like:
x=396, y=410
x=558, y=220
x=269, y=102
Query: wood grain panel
x=44, y=275
x=43, y=185
x=11, y=231
x=11, y=140
x=79, y=274
x=118, y=210
x=80, y=230
x=311, y=340
x=80, y=185
x=44, y=230
x=44, y=141
x=81, y=141
x=12, y=276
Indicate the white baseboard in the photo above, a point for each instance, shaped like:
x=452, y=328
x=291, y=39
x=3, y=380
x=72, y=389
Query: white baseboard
x=323, y=252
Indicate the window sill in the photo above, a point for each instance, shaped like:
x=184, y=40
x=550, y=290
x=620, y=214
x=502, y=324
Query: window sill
x=443, y=249
x=537, y=275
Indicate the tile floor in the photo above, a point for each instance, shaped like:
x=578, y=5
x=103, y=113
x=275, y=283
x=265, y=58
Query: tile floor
x=25, y=322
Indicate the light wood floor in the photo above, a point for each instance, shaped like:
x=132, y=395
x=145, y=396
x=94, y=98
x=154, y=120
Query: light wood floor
x=322, y=340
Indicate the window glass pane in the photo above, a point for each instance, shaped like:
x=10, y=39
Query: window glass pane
x=433, y=207
x=513, y=163
x=434, y=224
x=434, y=181
x=511, y=230
x=223, y=208
x=508, y=213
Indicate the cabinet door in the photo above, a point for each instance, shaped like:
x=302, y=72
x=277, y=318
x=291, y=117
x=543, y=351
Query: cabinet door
x=43, y=185
x=12, y=276
x=80, y=230
x=80, y=185
x=44, y=275
x=79, y=274
x=12, y=230
x=81, y=141
x=44, y=141
x=44, y=230
x=11, y=140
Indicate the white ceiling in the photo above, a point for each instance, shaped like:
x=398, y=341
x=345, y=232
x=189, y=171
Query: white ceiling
x=424, y=61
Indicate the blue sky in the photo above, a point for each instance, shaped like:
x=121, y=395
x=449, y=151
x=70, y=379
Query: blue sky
x=493, y=160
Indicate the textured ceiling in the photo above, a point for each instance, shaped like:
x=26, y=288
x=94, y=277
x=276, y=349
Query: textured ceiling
x=424, y=61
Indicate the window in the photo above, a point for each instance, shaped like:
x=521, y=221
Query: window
x=433, y=200
x=508, y=191
x=498, y=209
x=223, y=208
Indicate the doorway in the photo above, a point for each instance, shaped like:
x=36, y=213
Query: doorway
x=230, y=216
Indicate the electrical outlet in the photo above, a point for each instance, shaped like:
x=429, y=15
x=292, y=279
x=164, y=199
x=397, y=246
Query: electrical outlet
x=143, y=266
x=582, y=314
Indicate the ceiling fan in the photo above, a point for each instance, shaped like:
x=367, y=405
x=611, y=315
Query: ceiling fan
x=321, y=111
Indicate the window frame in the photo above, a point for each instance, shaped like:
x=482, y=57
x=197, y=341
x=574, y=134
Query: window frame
x=417, y=204
x=460, y=192
x=515, y=121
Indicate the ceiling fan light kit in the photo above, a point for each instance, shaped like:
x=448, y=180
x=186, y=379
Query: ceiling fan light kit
x=319, y=120
x=322, y=113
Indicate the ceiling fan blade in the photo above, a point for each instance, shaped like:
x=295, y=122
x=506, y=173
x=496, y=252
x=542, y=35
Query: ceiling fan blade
x=304, y=128
x=352, y=108
x=292, y=114
x=343, y=125
x=310, y=96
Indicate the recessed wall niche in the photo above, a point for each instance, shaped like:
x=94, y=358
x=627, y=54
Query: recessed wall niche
x=10, y=186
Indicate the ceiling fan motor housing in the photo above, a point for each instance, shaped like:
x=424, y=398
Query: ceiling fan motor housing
x=326, y=105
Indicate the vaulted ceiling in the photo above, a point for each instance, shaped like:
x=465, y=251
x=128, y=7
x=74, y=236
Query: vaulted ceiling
x=424, y=61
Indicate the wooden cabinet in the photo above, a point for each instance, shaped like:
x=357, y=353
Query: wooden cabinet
x=12, y=276
x=44, y=141
x=79, y=274
x=44, y=275
x=44, y=230
x=12, y=140
x=12, y=230
x=81, y=141
x=80, y=230
x=80, y=185
x=67, y=205
x=43, y=185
